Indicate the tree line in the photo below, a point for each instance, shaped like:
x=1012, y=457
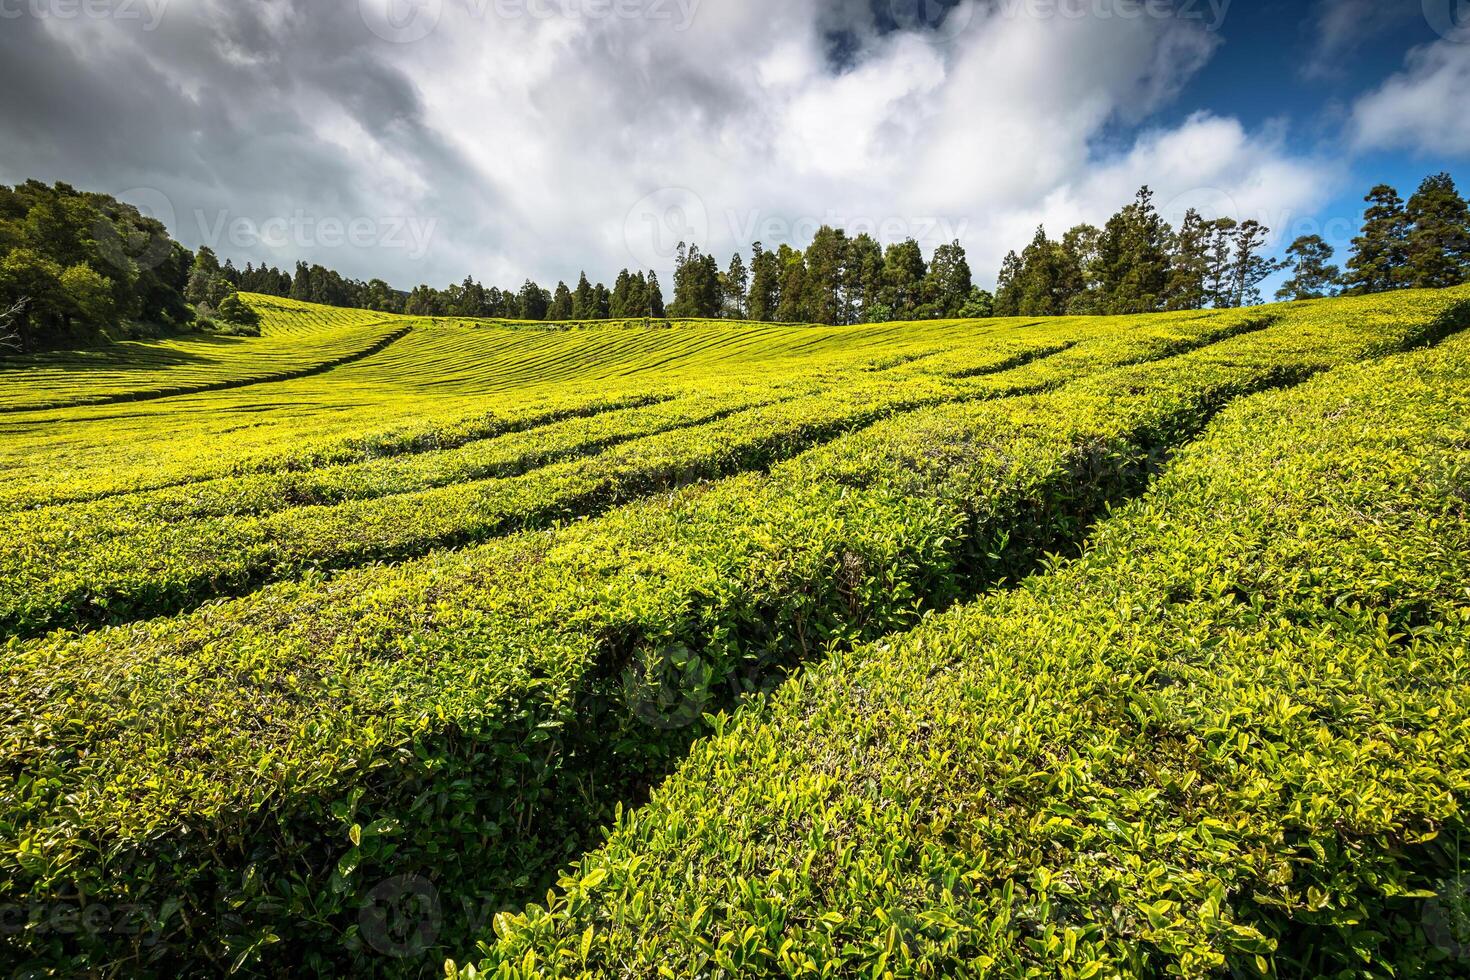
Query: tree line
x=74, y=265
x=1138, y=263
x=835, y=280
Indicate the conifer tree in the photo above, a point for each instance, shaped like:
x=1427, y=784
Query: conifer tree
x=655, y=296
x=561, y=304
x=1380, y=252
x=1312, y=277
x=948, y=282
x=1133, y=258
x=734, y=287
x=1437, y=249
x=765, y=284
x=1008, y=286
x=584, y=300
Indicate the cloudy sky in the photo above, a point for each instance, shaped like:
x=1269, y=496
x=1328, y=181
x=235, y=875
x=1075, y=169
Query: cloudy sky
x=424, y=140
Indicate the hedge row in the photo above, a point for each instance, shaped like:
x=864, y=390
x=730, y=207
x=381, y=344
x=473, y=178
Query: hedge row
x=155, y=553
x=1233, y=737
x=251, y=775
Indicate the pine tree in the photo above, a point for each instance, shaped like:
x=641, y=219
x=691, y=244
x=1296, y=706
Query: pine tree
x=655, y=296
x=1189, y=265
x=561, y=304
x=864, y=277
x=793, y=287
x=584, y=300
x=1040, y=282
x=1220, y=263
x=903, y=279
x=734, y=287
x=1081, y=293
x=1380, y=252
x=619, y=306
x=765, y=284
x=1133, y=258
x=1312, y=277
x=1008, y=286
x=948, y=283
x=825, y=273
x=1438, y=244
x=1250, y=267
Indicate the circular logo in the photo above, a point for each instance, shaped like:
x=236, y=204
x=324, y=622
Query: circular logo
x=401, y=917
x=1449, y=18
x=1210, y=202
x=659, y=222
x=939, y=20
x=138, y=242
x=401, y=21
x=1447, y=918
x=670, y=689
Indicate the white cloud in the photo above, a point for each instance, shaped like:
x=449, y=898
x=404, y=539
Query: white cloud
x=528, y=138
x=1422, y=108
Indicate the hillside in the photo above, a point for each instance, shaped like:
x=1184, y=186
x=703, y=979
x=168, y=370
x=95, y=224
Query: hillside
x=1072, y=646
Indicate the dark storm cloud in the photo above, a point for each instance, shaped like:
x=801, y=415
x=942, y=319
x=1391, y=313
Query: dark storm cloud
x=257, y=112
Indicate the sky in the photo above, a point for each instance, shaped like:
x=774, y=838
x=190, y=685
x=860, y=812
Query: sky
x=423, y=141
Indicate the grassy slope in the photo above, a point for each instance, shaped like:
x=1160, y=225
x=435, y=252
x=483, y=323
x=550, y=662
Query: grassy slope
x=1232, y=735
x=483, y=663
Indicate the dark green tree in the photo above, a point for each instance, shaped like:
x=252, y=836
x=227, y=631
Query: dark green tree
x=1437, y=249
x=1189, y=264
x=793, y=286
x=826, y=264
x=948, y=283
x=903, y=279
x=765, y=284
x=864, y=286
x=584, y=300
x=561, y=304
x=655, y=296
x=1008, y=286
x=1381, y=251
x=1312, y=276
x=734, y=286
x=1133, y=258
x=532, y=301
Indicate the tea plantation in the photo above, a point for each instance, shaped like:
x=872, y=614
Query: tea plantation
x=1076, y=647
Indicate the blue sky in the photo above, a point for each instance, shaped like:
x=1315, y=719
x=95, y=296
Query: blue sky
x=1274, y=65
x=427, y=140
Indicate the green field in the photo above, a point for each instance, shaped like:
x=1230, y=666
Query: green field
x=1068, y=647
